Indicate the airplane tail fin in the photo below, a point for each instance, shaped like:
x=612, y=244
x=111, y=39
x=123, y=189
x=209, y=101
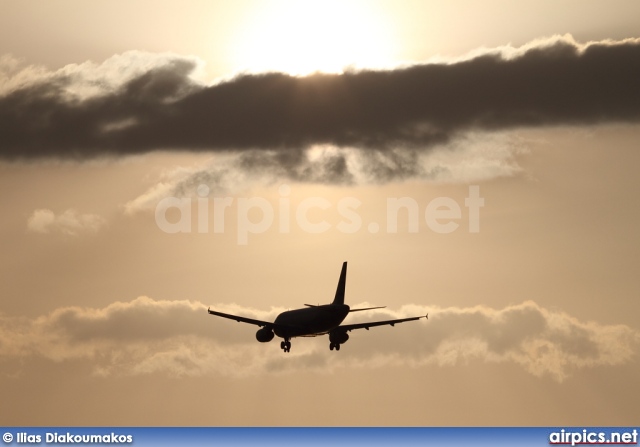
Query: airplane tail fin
x=339, y=298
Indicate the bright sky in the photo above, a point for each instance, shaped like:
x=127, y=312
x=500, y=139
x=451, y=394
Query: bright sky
x=109, y=108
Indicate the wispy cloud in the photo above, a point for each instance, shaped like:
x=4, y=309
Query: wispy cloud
x=178, y=338
x=70, y=222
x=75, y=83
x=470, y=159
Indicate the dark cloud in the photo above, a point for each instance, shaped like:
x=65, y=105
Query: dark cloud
x=556, y=82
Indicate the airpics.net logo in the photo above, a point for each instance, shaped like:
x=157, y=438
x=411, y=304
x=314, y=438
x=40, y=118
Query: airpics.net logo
x=257, y=215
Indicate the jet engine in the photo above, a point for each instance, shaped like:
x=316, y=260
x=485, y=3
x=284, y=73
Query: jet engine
x=338, y=337
x=264, y=335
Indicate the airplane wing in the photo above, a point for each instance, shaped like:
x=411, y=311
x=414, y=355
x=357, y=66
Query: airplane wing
x=351, y=327
x=240, y=319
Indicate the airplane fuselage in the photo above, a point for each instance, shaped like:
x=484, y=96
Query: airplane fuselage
x=310, y=321
x=313, y=320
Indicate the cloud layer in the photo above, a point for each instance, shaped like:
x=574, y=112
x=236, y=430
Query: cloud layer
x=178, y=338
x=388, y=116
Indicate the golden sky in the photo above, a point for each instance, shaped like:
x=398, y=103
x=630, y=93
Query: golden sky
x=111, y=110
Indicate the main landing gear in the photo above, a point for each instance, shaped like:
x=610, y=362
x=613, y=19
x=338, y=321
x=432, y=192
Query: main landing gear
x=285, y=345
x=337, y=337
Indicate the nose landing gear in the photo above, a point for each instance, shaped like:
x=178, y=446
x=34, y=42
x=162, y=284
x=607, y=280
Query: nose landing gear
x=333, y=345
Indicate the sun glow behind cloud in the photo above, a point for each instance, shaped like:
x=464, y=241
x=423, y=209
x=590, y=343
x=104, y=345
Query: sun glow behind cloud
x=304, y=37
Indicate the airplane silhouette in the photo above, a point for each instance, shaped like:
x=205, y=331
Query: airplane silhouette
x=314, y=320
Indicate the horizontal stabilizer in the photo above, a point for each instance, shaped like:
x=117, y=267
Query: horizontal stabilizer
x=367, y=308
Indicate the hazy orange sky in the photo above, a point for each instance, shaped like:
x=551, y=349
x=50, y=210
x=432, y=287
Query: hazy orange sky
x=110, y=111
